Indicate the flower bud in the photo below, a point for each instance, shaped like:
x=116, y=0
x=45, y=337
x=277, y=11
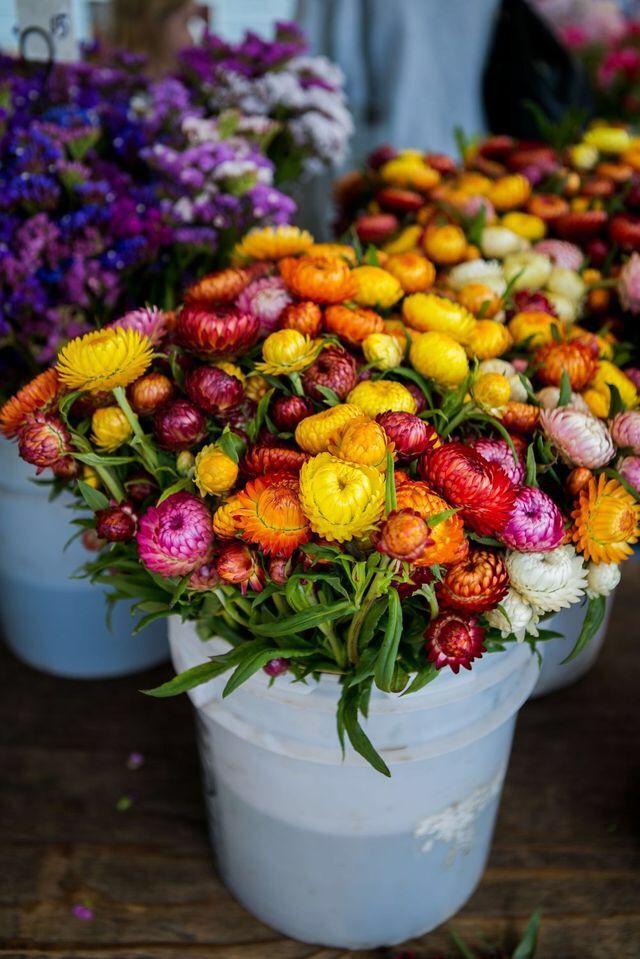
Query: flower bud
x=404, y=535
x=149, y=393
x=279, y=569
x=287, y=411
x=335, y=369
x=214, y=471
x=179, y=425
x=139, y=486
x=184, y=462
x=237, y=564
x=116, y=524
x=110, y=428
x=410, y=435
x=43, y=440
x=213, y=390
x=382, y=350
x=276, y=667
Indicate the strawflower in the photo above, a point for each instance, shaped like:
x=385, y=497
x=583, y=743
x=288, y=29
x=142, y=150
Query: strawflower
x=104, y=359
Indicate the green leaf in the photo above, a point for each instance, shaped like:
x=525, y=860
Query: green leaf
x=390, y=501
x=390, y=644
x=422, y=679
x=330, y=395
x=531, y=478
x=616, y=403
x=371, y=256
x=592, y=623
x=183, y=483
x=526, y=948
x=94, y=499
x=460, y=945
x=438, y=518
x=307, y=619
x=190, y=678
x=348, y=723
x=230, y=444
x=565, y=389
x=261, y=412
x=93, y=459
x=251, y=664
x=614, y=474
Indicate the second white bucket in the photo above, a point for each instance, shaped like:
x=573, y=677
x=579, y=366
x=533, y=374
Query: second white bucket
x=327, y=850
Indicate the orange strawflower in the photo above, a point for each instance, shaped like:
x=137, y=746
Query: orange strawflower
x=449, y=544
x=325, y=279
x=305, y=317
x=352, y=326
x=220, y=287
x=606, y=521
x=34, y=397
x=270, y=515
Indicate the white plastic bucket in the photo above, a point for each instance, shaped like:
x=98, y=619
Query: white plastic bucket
x=49, y=620
x=327, y=850
x=553, y=674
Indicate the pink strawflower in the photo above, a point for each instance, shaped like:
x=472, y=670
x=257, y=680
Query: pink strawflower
x=625, y=430
x=475, y=203
x=629, y=284
x=573, y=36
x=499, y=451
x=633, y=372
x=204, y=578
x=561, y=253
x=148, y=321
x=266, y=300
x=629, y=469
x=535, y=525
x=175, y=537
x=580, y=438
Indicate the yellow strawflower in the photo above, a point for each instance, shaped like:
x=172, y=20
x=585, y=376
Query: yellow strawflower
x=362, y=441
x=232, y=370
x=406, y=241
x=597, y=402
x=274, y=242
x=427, y=312
x=525, y=224
x=214, y=471
x=341, y=500
x=605, y=521
x=224, y=524
x=491, y=390
x=314, y=433
x=410, y=169
x=90, y=477
x=381, y=396
x=439, y=358
x=104, y=359
x=583, y=156
x=489, y=339
x=110, y=428
x=375, y=287
x=255, y=387
x=288, y=351
x=608, y=139
x=383, y=350
x=608, y=375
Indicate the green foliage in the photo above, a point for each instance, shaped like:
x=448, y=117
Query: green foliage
x=592, y=622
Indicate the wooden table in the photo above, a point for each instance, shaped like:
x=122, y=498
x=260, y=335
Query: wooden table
x=81, y=830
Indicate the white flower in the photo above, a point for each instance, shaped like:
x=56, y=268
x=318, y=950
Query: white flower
x=528, y=270
x=498, y=241
x=474, y=271
x=602, y=578
x=548, y=581
x=549, y=396
x=567, y=310
x=566, y=283
x=520, y=618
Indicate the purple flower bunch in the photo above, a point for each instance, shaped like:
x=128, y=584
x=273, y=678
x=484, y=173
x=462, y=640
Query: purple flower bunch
x=112, y=187
x=275, y=80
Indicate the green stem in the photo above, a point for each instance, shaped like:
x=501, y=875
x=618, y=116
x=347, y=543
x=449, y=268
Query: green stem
x=148, y=454
x=377, y=587
x=457, y=419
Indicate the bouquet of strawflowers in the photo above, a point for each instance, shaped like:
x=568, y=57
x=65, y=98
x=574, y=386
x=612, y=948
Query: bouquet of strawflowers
x=338, y=469
x=294, y=100
x=110, y=191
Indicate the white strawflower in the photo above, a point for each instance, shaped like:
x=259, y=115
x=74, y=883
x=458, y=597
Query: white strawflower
x=548, y=581
x=602, y=578
x=566, y=283
x=528, y=270
x=515, y=617
x=474, y=271
x=499, y=241
x=549, y=397
x=567, y=310
x=579, y=438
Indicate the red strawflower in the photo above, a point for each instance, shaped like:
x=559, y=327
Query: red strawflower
x=237, y=564
x=262, y=459
x=213, y=390
x=410, y=435
x=179, y=425
x=454, y=639
x=481, y=490
x=149, y=393
x=335, y=369
x=477, y=584
x=216, y=332
x=287, y=411
x=580, y=225
x=140, y=486
x=44, y=441
x=116, y=524
x=527, y=301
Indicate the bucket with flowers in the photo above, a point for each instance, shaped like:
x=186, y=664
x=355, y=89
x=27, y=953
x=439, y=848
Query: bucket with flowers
x=351, y=519
x=538, y=243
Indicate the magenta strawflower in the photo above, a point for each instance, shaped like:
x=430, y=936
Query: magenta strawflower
x=498, y=451
x=535, y=524
x=276, y=667
x=580, y=438
x=148, y=320
x=625, y=430
x=454, y=639
x=629, y=469
x=213, y=390
x=265, y=299
x=176, y=537
x=633, y=372
x=179, y=425
x=43, y=441
x=629, y=284
x=410, y=435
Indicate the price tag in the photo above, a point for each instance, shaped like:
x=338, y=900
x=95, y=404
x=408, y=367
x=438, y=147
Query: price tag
x=46, y=29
